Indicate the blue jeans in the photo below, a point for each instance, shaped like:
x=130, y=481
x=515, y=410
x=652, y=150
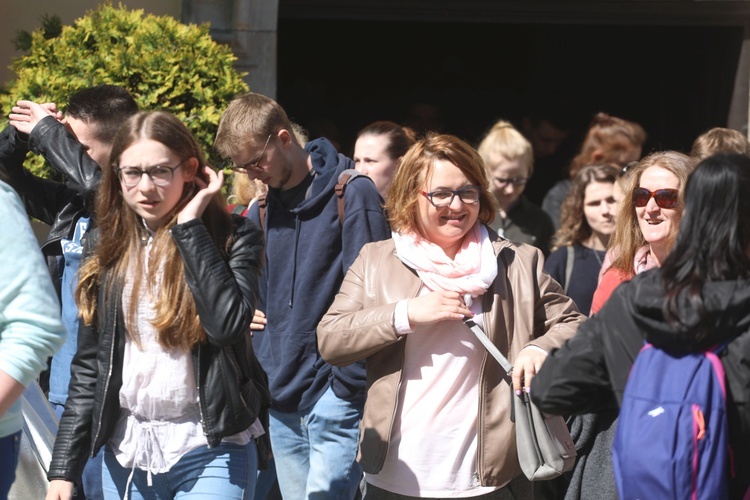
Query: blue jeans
x=266, y=480
x=92, y=472
x=225, y=471
x=316, y=449
x=10, y=449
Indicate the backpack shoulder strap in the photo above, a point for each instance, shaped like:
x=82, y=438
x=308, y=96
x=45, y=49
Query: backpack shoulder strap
x=569, y=267
x=239, y=209
x=344, y=178
x=262, y=206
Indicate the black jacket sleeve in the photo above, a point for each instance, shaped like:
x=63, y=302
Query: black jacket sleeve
x=589, y=372
x=66, y=155
x=225, y=291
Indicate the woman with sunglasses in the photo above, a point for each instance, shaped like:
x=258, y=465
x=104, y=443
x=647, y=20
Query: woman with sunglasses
x=647, y=220
x=645, y=230
x=437, y=415
x=165, y=379
x=698, y=299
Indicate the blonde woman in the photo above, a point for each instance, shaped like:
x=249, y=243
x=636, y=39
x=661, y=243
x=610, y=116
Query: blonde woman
x=509, y=161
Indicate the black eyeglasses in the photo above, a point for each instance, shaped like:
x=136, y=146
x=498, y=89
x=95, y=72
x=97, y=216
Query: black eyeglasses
x=665, y=198
x=242, y=169
x=444, y=197
x=159, y=174
x=516, y=181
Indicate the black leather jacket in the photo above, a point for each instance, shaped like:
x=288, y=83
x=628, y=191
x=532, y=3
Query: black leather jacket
x=57, y=204
x=232, y=388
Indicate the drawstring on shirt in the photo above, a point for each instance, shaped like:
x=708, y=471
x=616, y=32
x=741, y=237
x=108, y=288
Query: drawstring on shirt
x=150, y=449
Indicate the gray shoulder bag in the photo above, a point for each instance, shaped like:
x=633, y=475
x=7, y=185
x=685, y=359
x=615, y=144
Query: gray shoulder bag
x=545, y=448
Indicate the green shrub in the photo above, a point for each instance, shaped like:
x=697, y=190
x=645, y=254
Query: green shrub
x=163, y=63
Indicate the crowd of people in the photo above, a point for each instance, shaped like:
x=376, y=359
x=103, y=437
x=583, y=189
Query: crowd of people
x=307, y=332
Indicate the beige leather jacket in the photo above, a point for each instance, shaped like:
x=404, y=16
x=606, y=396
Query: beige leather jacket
x=524, y=306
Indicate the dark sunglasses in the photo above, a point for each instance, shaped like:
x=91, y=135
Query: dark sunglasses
x=665, y=198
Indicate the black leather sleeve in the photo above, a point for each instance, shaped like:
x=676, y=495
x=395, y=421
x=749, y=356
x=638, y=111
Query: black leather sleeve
x=225, y=291
x=66, y=155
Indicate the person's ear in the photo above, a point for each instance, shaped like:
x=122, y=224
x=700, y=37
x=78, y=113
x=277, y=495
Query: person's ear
x=285, y=137
x=597, y=155
x=190, y=169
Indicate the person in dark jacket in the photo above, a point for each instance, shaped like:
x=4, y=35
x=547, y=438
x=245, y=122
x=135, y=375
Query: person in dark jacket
x=165, y=377
x=699, y=298
x=76, y=145
x=316, y=408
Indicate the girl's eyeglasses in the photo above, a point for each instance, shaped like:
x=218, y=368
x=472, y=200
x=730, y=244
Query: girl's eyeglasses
x=160, y=175
x=665, y=198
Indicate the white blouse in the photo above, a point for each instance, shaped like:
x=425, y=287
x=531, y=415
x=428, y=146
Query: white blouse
x=160, y=417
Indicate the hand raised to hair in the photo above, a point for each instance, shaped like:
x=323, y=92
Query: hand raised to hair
x=25, y=115
x=437, y=306
x=195, y=207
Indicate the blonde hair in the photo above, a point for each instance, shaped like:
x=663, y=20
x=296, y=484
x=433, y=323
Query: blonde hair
x=418, y=163
x=627, y=238
x=504, y=141
x=720, y=140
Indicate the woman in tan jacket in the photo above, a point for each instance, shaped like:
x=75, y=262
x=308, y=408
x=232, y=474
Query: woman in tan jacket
x=437, y=417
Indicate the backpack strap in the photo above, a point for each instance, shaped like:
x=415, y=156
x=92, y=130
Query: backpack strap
x=569, y=267
x=344, y=178
x=262, y=206
x=239, y=209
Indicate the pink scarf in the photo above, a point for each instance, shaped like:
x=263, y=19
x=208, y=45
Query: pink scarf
x=471, y=273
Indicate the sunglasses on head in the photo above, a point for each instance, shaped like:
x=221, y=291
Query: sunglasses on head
x=665, y=198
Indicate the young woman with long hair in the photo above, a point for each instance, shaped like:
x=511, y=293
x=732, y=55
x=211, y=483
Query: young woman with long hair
x=165, y=378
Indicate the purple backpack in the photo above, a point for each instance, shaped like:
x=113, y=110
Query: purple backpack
x=672, y=435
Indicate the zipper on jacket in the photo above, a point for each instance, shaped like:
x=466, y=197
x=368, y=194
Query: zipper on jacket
x=487, y=320
x=297, y=230
x=200, y=399
x=109, y=376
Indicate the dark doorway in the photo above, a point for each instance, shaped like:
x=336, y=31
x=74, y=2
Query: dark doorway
x=337, y=76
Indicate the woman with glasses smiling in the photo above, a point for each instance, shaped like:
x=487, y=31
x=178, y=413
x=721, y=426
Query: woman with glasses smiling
x=509, y=161
x=437, y=414
x=165, y=379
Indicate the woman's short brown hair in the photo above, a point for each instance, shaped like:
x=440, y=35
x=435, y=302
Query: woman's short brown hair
x=416, y=166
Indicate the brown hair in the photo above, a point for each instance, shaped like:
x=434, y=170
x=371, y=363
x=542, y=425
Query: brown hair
x=400, y=139
x=119, y=249
x=247, y=116
x=610, y=136
x=627, y=238
x=417, y=164
x=573, y=225
x=720, y=140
